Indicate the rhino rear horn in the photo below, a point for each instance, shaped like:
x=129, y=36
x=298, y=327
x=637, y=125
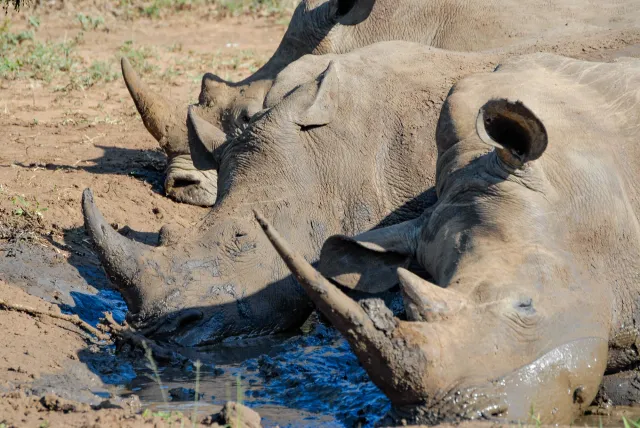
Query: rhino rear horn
x=425, y=301
x=160, y=118
x=382, y=349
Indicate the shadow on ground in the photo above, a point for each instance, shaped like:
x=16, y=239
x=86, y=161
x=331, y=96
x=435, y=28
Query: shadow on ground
x=146, y=165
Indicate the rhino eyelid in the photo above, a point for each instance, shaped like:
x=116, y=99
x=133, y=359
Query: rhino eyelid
x=525, y=303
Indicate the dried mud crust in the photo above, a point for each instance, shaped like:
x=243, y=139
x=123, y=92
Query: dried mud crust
x=59, y=138
x=18, y=409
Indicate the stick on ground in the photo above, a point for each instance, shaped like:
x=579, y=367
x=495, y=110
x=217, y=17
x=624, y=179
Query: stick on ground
x=74, y=319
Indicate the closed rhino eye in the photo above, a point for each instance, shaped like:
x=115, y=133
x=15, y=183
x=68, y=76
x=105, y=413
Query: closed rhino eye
x=523, y=313
x=244, y=117
x=525, y=306
x=525, y=303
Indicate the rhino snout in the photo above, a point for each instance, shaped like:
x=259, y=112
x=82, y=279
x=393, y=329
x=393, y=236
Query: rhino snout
x=185, y=183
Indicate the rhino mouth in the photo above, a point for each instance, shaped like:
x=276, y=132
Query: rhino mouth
x=185, y=183
x=455, y=406
x=554, y=387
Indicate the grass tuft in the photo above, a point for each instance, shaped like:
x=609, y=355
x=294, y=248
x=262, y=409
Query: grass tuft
x=630, y=423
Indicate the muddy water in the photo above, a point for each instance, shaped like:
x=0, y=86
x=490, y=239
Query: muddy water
x=308, y=380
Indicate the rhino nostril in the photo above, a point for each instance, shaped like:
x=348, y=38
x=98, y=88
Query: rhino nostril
x=579, y=395
x=184, y=182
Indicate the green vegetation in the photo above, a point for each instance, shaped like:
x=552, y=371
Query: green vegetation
x=151, y=365
x=25, y=54
x=90, y=22
x=25, y=208
x=138, y=56
x=22, y=55
x=194, y=415
x=630, y=424
x=158, y=8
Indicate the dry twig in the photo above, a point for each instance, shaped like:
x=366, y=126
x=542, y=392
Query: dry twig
x=126, y=334
x=74, y=319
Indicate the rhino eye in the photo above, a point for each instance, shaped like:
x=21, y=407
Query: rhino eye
x=525, y=305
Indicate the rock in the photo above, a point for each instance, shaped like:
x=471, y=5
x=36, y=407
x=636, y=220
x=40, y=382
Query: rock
x=56, y=404
x=234, y=415
x=184, y=394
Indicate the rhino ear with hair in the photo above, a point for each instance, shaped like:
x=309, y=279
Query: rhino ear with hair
x=368, y=262
x=351, y=12
x=323, y=97
x=518, y=135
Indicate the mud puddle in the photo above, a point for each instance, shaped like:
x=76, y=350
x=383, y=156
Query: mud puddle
x=307, y=380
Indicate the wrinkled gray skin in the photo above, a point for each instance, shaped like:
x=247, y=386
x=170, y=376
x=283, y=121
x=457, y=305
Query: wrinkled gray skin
x=340, y=149
x=321, y=27
x=532, y=246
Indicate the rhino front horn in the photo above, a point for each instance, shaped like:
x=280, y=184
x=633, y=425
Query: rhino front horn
x=164, y=121
x=382, y=349
x=122, y=258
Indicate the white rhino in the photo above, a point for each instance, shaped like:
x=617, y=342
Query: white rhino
x=321, y=27
x=341, y=148
x=532, y=249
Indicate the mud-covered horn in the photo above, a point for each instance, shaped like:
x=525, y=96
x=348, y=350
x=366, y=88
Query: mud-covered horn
x=425, y=301
x=380, y=347
x=205, y=141
x=163, y=120
x=343, y=312
x=119, y=255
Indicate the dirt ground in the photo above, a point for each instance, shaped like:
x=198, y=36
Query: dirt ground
x=68, y=126
x=67, y=123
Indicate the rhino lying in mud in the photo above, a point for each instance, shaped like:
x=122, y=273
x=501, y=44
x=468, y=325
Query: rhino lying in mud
x=339, y=26
x=341, y=148
x=533, y=243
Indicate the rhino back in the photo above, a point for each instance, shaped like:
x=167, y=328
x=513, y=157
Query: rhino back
x=390, y=98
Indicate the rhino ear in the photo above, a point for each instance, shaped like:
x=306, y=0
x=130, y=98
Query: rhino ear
x=351, y=12
x=517, y=133
x=204, y=141
x=323, y=95
x=369, y=262
x=213, y=90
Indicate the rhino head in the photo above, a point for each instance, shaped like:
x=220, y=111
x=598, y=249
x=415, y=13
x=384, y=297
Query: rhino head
x=519, y=304
x=229, y=105
x=326, y=156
